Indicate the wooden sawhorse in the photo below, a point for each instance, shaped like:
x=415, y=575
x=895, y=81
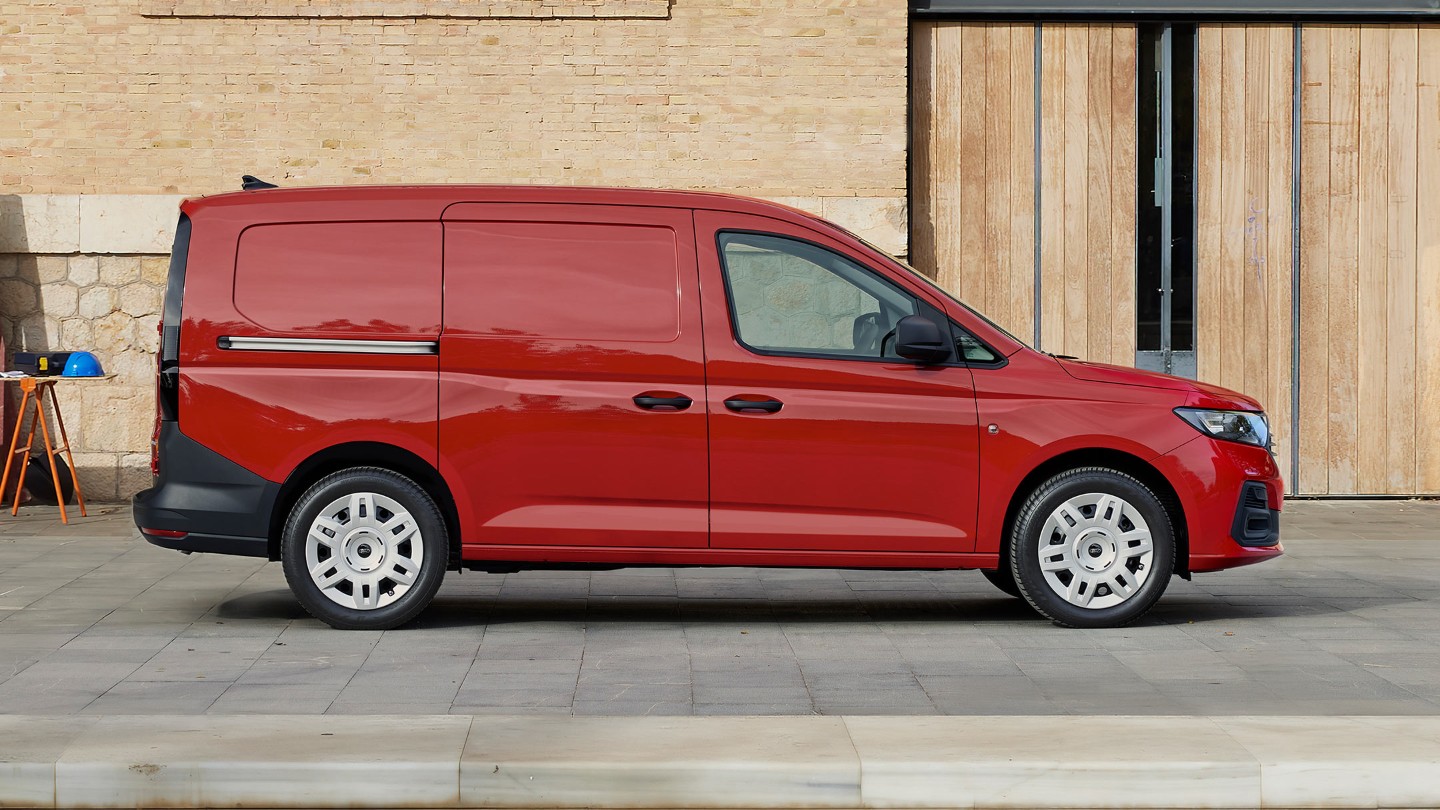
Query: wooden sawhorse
x=34, y=390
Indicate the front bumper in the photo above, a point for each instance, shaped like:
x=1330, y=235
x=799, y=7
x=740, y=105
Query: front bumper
x=203, y=501
x=1213, y=478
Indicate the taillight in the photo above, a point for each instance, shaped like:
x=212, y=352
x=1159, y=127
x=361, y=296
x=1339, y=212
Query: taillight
x=155, y=447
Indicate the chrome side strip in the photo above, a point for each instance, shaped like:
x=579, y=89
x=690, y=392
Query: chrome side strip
x=341, y=345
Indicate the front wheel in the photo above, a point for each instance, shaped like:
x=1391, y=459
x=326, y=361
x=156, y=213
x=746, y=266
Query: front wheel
x=1092, y=547
x=365, y=549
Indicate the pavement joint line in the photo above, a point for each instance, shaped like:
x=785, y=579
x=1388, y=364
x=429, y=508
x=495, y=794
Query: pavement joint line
x=549, y=761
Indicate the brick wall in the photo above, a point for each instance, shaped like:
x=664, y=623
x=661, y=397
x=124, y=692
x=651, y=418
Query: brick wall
x=790, y=98
x=803, y=101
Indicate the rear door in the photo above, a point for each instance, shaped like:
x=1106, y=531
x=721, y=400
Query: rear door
x=572, y=407
x=821, y=437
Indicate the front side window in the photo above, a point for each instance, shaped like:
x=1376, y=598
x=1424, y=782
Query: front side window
x=789, y=296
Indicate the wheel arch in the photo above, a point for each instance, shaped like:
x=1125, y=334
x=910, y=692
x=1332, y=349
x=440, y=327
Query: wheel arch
x=1119, y=461
x=365, y=454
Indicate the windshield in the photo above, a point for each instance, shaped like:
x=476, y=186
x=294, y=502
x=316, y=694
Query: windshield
x=929, y=281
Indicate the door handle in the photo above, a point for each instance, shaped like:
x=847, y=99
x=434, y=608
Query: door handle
x=754, y=405
x=662, y=401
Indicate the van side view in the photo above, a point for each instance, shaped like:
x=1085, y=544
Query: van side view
x=377, y=385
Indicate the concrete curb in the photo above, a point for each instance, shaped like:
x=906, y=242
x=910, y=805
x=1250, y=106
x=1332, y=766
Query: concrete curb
x=732, y=762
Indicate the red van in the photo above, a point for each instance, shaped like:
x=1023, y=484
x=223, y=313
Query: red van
x=377, y=385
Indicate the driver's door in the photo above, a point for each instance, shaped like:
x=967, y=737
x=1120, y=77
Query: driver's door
x=821, y=438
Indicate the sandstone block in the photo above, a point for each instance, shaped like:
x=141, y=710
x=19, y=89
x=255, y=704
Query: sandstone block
x=97, y=302
x=52, y=269
x=39, y=223
x=113, y=333
x=140, y=299
x=76, y=334
x=155, y=269
x=17, y=298
x=59, y=300
x=116, y=418
x=128, y=223
x=118, y=271
x=84, y=270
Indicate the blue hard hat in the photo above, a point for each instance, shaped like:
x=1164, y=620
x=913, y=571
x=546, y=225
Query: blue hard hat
x=82, y=364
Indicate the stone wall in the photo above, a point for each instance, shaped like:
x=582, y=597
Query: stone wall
x=109, y=305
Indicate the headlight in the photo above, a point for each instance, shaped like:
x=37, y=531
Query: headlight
x=1246, y=427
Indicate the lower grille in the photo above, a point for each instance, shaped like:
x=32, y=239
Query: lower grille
x=1256, y=524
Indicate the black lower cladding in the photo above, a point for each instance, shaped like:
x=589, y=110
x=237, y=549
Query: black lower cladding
x=223, y=507
x=1256, y=524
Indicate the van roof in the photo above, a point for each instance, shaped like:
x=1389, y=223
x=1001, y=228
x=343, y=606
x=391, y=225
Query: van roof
x=430, y=201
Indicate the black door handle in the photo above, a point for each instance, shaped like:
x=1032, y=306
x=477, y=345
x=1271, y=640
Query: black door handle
x=752, y=405
x=651, y=402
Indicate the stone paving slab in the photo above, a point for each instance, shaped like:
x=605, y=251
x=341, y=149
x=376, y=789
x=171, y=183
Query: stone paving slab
x=705, y=762
x=94, y=621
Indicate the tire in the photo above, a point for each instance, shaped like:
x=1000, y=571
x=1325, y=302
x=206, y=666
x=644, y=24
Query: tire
x=1108, y=547
x=379, y=529
x=1003, y=579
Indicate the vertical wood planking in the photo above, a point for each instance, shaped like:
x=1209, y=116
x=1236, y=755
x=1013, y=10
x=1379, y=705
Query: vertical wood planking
x=1022, y=179
x=1369, y=418
x=1343, y=237
x=1088, y=176
x=1124, y=171
x=1100, y=207
x=1076, y=218
x=1053, y=70
x=1255, y=169
x=1233, y=209
x=1427, y=271
x=1313, y=432
x=973, y=165
x=1209, y=142
x=995, y=262
x=1279, y=256
x=1400, y=271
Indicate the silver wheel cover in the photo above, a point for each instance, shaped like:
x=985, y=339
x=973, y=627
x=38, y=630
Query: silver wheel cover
x=364, y=551
x=1096, y=550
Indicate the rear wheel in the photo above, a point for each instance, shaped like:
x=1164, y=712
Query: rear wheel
x=1092, y=547
x=365, y=549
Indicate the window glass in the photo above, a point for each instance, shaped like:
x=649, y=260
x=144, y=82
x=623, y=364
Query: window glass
x=792, y=296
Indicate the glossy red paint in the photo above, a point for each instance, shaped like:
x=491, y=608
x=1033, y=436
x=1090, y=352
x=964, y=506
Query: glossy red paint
x=529, y=412
x=559, y=316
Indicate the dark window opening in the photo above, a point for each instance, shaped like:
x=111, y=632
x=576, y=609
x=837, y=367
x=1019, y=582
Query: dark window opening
x=1166, y=192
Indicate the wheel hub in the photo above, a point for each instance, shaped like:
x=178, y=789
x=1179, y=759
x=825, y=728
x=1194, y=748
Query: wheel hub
x=364, y=550
x=1096, y=550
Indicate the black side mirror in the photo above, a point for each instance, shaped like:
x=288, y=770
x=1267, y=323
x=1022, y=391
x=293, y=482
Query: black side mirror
x=920, y=339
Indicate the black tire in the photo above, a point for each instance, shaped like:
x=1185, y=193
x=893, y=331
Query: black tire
x=42, y=487
x=1080, y=484
x=1003, y=579
x=364, y=545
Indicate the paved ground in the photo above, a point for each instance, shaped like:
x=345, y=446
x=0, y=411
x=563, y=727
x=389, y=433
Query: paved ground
x=95, y=621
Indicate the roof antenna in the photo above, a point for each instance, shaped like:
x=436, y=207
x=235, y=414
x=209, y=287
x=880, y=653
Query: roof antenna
x=250, y=182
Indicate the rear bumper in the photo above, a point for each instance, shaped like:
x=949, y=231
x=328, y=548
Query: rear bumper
x=1212, y=478
x=202, y=501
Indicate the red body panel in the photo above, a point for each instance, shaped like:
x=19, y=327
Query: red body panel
x=544, y=443
x=528, y=410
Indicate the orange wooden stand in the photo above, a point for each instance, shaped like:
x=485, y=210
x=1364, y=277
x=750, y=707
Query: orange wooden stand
x=34, y=390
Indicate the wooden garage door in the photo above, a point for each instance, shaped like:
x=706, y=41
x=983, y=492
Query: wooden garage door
x=1370, y=260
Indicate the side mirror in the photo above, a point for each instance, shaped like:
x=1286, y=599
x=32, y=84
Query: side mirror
x=920, y=339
